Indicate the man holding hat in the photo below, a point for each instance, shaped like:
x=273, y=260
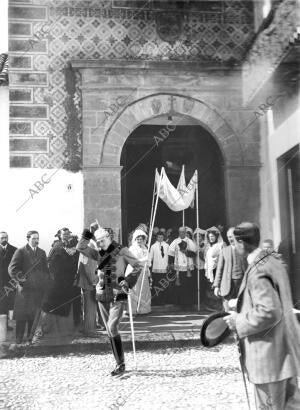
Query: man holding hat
x=113, y=286
x=265, y=324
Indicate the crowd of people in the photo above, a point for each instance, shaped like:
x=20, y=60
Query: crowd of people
x=47, y=292
x=54, y=296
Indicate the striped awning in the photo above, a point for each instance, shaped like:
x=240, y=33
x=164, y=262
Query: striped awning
x=3, y=69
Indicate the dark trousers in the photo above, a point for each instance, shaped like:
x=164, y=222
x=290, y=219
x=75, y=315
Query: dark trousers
x=186, y=293
x=20, y=329
x=89, y=311
x=163, y=288
x=234, y=290
x=77, y=306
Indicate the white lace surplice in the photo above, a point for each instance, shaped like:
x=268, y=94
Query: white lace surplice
x=182, y=263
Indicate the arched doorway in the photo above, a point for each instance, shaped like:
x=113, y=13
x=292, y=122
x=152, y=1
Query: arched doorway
x=189, y=144
x=103, y=146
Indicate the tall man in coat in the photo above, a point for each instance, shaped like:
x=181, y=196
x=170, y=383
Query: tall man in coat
x=113, y=286
x=7, y=290
x=230, y=271
x=29, y=269
x=266, y=326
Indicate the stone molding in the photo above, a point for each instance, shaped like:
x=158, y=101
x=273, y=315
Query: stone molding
x=145, y=108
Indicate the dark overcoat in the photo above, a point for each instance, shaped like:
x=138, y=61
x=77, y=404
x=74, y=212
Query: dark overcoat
x=30, y=272
x=63, y=268
x=7, y=292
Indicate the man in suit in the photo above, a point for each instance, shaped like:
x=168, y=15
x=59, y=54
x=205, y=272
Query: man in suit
x=267, y=329
x=230, y=271
x=7, y=291
x=111, y=291
x=29, y=269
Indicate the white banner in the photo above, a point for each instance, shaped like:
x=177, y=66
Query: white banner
x=176, y=200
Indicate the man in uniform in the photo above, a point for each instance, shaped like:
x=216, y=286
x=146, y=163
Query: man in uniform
x=113, y=286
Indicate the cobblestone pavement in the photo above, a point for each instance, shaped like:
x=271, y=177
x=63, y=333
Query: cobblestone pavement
x=179, y=378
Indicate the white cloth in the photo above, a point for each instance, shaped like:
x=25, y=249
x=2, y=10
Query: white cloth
x=211, y=253
x=175, y=200
x=159, y=264
x=182, y=263
x=145, y=305
x=211, y=259
x=251, y=257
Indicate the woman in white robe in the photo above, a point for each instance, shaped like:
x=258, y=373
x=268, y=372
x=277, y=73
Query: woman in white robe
x=139, y=250
x=214, y=244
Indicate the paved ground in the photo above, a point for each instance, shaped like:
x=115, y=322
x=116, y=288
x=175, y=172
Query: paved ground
x=152, y=328
x=176, y=378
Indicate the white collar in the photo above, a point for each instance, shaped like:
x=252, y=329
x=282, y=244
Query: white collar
x=4, y=247
x=32, y=247
x=251, y=257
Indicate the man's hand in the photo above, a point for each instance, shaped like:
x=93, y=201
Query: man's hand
x=232, y=304
x=231, y=320
x=217, y=292
x=124, y=286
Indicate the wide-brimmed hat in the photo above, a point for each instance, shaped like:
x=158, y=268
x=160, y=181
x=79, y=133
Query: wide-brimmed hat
x=214, y=329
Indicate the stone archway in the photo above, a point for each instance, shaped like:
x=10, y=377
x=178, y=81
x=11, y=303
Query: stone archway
x=235, y=171
x=158, y=104
x=155, y=89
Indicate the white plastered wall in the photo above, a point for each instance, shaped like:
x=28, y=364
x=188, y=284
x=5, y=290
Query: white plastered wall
x=58, y=204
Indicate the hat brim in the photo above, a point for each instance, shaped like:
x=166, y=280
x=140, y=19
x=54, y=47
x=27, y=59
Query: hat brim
x=214, y=329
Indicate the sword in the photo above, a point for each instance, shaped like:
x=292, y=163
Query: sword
x=132, y=329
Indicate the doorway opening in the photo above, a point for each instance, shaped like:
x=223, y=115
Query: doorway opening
x=189, y=144
x=289, y=201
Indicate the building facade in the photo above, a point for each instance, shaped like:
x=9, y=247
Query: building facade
x=88, y=77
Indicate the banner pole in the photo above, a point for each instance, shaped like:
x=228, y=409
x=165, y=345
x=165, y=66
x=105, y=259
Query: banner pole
x=198, y=260
x=183, y=219
x=149, y=239
x=153, y=196
x=132, y=330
